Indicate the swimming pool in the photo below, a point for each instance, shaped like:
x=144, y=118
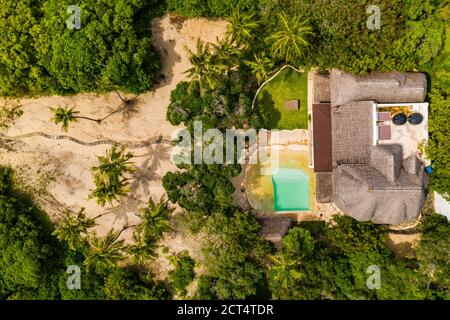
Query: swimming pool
x=298, y=195
x=291, y=190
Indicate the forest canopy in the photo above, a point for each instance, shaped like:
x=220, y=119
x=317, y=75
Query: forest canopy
x=40, y=54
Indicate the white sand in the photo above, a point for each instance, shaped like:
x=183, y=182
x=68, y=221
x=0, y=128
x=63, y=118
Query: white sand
x=60, y=169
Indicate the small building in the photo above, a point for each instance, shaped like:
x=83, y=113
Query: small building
x=274, y=228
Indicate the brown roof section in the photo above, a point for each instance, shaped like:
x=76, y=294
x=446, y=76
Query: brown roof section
x=322, y=137
x=324, y=187
x=352, y=132
x=376, y=86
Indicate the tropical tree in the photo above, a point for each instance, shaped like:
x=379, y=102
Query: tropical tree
x=72, y=227
x=290, y=38
x=262, y=66
x=284, y=270
x=110, y=175
x=141, y=251
x=66, y=115
x=206, y=69
x=154, y=220
x=104, y=252
x=226, y=53
x=242, y=27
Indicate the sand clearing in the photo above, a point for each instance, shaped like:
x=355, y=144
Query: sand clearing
x=60, y=169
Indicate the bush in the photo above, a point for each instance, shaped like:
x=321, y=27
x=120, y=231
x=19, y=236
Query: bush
x=183, y=274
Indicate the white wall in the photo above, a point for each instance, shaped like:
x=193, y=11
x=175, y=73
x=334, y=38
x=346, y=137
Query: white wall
x=441, y=205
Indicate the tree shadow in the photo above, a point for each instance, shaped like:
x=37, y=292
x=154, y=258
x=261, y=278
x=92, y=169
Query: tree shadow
x=166, y=49
x=122, y=211
x=268, y=111
x=146, y=172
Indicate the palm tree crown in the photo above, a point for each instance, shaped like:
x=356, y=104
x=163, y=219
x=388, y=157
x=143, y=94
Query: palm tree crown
x=262, y=66
x=242, y=27
x=64, y=115
x=104, y=252
x=206, y=69
x=110, y=175
x=72, y=227
x=284, y=270
x=155, y=220
x=290, y=39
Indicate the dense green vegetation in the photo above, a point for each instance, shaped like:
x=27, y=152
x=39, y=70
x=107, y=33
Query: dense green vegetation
x=33, y=262
x=210, y=8
x=39, y=54
x=183, y=274
x=439, y=127
x=410, y=35
x=333, y=263
x=287, y=85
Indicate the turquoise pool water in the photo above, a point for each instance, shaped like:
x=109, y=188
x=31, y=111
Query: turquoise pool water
x=291, y=190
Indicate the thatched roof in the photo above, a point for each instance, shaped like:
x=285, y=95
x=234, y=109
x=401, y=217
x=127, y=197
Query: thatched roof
x=352, y=132
x=321, y=88
x=356, y=193
x=369, y=183
x=274, y=228
x=387, y=159
x=392, y=87
x=324, y=187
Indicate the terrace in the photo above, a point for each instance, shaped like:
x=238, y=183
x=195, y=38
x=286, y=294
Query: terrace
x=396, y=125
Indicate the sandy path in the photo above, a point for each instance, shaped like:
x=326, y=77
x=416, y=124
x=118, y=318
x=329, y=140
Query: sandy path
x=62, y=168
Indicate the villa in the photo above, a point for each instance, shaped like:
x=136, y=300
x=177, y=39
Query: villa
x=368, y=137
x=351, y=145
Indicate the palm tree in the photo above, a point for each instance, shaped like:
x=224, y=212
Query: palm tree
x=141, y=251
x=284, y=270
x=206, y=69
x=110, y=175
x=290, y=39
x=72, y=227
x=154, y=220
x=66, y=115
x=262, y=66
x=104, y=252
x=242, y=27
x=226, y=53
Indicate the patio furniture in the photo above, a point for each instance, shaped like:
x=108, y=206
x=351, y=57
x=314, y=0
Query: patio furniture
x=400, y=119
x=291, y=105
x=384, y=132
x=415, y=118
x=384, y=116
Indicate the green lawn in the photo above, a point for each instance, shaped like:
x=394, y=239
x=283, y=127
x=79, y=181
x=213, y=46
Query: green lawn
x=288, y=85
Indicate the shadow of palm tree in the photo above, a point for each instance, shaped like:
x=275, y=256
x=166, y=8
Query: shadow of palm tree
x=121, y=212
x=166, y=48
x=146, y=172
